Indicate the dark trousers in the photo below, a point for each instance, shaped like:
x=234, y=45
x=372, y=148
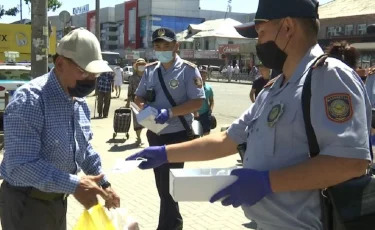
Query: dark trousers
x=20, y=211
x=169, y=216
x=104, y=101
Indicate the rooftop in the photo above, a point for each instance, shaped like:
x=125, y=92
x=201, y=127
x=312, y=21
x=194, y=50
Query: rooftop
x=346, y=8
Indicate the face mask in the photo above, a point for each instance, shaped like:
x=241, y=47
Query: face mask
x=141, y=68
x=271, y=55
x=82, y=89
x=164, y=56
x=123, y=166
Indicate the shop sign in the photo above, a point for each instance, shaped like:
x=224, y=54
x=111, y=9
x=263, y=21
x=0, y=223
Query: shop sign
x=229, y=48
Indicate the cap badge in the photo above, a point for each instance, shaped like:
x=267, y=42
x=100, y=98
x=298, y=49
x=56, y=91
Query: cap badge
x=161, y=32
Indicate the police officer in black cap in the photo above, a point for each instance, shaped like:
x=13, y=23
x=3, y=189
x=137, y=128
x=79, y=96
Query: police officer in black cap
x=279, y=184
x=173, y=86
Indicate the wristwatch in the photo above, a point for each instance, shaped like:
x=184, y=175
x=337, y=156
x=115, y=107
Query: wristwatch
x=106, y=185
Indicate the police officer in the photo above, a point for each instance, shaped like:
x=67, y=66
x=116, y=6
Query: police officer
x=278, y=187
x=183, y=83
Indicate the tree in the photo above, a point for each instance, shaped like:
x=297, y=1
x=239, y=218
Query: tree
x=52, y=5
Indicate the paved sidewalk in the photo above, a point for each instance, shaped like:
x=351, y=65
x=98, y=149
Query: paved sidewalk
x=137, y=189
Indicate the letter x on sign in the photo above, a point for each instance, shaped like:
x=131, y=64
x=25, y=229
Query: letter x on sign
x=3, y=38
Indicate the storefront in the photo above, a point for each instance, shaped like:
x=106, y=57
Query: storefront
x=17, y=37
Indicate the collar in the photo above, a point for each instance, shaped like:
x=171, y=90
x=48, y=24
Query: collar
x=303, y=66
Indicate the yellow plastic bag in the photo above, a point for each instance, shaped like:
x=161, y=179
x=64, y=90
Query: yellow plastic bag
x=94, y=219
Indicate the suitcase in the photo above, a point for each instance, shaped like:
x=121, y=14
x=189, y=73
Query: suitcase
x=121, y=121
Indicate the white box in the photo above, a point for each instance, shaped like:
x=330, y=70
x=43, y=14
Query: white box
x=198, y=184
x=146, y=118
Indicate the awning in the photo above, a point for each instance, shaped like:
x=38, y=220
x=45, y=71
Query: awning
x=364, y=46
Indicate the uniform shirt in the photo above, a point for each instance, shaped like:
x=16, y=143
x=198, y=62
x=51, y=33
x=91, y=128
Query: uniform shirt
x=206, y=104
x=181, y=80
x=259, y=84
x=105, y=82
x=370, y=87
x=339, y=134
x=47, y=138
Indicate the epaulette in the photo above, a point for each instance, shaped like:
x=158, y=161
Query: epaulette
x=152, y=63
x=271, y=82
x=320, y=62
x=189, y=63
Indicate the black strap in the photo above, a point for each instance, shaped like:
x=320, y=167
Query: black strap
x=172, y=102
x=306, y=103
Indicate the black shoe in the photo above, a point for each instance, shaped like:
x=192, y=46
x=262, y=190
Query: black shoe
x=100, y=116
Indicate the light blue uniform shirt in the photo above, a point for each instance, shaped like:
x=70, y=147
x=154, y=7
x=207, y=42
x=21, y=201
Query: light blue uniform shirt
x=47, y=138
x=341, y=134
x=182, y=81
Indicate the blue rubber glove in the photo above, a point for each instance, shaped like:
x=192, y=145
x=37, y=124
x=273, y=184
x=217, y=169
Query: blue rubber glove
x=155, y=155
x=250, y=187
x=162, y=117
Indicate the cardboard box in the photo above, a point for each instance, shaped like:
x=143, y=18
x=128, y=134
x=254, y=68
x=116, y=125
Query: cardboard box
x=198, y=184
x=146, y=118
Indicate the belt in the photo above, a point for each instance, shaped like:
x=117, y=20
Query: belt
x=38, y=194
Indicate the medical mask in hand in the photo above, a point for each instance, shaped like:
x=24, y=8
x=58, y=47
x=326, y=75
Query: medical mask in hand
x=164, y=56
x=123, y=166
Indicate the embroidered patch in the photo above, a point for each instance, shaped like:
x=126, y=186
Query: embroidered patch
x=339, y=107
x=173, y=83
x=198, y=82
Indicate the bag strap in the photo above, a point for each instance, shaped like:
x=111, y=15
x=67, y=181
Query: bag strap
x=171, y=101
x=306, y=103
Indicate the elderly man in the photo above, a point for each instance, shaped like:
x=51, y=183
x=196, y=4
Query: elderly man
x=47, y=141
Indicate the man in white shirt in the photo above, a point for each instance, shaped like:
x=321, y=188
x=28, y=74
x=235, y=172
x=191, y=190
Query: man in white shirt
x=118, y=80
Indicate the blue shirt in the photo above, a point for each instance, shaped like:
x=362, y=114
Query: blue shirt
x=184, y=83
x=370, y=87
x=47, y=138
x=340, y=116
x=105, y=81
x=206, y=104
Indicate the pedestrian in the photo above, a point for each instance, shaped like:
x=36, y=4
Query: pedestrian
x=230, y=71
x=134, y=80
x=47, y=141
x=279, y=184
x=119, y=78
x=174, y=87
x=203, y=115
x=50, y=62
x=237, y=72
x=105, y=89
x=260, y=82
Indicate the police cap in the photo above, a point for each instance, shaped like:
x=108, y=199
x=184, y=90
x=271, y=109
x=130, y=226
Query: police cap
x=276, y=9
x=165, y=34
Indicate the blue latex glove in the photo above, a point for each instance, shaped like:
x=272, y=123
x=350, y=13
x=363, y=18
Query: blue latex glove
x=162, y=117
x=250, y=187
x=155, y=155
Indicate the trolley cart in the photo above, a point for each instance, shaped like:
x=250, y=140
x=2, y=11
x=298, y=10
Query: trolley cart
x=121, y=121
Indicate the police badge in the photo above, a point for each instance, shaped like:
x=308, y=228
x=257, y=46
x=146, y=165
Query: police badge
x=161, y=32
x=173, y=83
x=275, y=114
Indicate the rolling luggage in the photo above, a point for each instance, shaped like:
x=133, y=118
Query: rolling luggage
x=121, y=121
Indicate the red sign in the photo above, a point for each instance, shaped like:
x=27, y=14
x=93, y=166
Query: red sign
x=229, y=48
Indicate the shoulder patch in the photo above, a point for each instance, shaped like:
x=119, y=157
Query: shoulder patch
x=198, y=82
x=271, y=82
x=339, y=107
x=152, y=63
x=189, y=63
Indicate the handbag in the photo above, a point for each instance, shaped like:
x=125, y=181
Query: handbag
x=182, y=119
x=349, y=205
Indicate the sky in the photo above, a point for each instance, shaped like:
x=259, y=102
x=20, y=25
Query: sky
x=68, y=5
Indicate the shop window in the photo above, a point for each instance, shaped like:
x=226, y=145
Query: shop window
x=361, y=29
x=349, y=30
x=331, y=31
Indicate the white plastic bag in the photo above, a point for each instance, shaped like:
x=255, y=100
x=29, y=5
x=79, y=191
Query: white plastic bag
x=121, y=219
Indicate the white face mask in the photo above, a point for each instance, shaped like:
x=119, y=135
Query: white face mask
x=141, y=68
x=123, y=166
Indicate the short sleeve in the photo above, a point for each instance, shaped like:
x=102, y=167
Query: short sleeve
x=256, y=84
x=340, y=112
x=211, y=93
x=141, y=90
x=195, y=89
x=238, y=130
x=370, y=83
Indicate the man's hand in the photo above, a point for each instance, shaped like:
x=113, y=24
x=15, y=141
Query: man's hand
x=156, y=156
x=88, y=189
x=163, y=116
x=250, y=187
x=113, y=200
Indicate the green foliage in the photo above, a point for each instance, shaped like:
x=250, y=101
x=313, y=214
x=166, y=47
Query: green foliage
x=52, y=5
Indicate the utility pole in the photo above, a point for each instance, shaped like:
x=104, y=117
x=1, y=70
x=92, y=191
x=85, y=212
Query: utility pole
x=97, y=19
x=21, y=9
x=39, y=38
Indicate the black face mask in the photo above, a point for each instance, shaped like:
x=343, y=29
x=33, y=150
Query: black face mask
x=271, y=55
x=82, y=89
